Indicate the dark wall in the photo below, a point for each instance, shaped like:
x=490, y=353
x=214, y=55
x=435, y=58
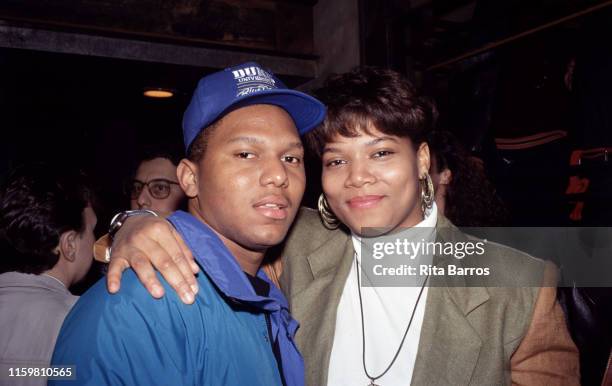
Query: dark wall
x=91, y=112
x=281, y=26
x=87, y=111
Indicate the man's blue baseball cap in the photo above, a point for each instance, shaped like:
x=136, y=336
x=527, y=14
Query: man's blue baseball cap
x=244, y=85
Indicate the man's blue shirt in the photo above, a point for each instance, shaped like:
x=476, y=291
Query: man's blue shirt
x=131, y=338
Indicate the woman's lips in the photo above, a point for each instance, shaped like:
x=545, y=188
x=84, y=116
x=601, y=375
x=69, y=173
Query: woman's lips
x=364, y=202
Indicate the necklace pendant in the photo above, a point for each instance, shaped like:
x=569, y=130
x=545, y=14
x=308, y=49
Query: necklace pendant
x=372, y=383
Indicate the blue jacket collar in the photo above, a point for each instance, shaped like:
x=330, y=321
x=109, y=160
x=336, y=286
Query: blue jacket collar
x=221, y=266
x=225, y=272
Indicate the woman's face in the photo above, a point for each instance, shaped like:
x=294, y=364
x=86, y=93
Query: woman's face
x=371, y=181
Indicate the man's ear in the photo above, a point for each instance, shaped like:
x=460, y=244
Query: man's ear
x=187, y=173
x=68, y=245
x=446, y=177
x=423, y=160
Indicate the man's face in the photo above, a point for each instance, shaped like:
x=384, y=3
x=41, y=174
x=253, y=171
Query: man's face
x=163, y=193
x=251, y=178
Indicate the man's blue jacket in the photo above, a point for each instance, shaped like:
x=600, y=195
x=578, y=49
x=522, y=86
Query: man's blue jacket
x=131, y=338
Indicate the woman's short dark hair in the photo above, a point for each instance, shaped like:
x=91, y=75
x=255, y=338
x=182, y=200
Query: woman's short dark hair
x=37, y=204
x=371, y=95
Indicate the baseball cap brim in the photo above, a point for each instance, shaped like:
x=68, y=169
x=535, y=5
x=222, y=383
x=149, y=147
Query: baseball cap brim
x=306, y=111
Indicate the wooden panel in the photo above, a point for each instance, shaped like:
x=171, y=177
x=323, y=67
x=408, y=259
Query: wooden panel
x=284, y=27
x=290, y=38
x=111, y=47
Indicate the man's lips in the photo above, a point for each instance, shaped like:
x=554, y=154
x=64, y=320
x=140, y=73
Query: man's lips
x=274, y=207
x=364, y=202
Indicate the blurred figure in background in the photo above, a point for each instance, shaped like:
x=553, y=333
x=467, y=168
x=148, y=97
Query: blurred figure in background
x=46, y=240
x=155, y=185
x=589, y=79
x=463, y=193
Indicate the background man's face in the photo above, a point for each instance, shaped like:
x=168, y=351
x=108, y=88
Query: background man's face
x=251, y=178
x=157, y=168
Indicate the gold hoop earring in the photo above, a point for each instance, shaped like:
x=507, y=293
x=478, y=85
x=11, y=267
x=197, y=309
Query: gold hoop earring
x=327, y=216
x=427, y=192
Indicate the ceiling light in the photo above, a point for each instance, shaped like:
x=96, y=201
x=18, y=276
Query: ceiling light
x=158, y=93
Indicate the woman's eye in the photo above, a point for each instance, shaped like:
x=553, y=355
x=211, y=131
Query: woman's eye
x=245, y=155
x=335, y=162
x=291, y=159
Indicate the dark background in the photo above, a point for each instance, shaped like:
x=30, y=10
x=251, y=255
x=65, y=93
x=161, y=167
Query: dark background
x=86, y=106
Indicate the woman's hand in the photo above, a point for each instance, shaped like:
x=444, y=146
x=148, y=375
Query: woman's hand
x=146, y=244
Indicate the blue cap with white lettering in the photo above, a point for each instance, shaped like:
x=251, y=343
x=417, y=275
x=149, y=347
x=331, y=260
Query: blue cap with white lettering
x=244, y=85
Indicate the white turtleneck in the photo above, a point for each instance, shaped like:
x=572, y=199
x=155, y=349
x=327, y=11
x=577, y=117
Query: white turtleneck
x=386, y=312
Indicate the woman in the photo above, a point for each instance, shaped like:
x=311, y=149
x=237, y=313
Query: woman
x=375, y=182
x=464, y=194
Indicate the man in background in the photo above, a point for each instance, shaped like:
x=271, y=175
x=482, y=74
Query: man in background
x=154, y=185
x=46, y=237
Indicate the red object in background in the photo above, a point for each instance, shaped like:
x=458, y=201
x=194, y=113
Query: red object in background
x=576, y=214
x=577, y=185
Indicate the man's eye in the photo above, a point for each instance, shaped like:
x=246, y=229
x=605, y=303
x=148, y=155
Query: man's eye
x=382, y=153
x=160, y=188
x=136, y=188
x=245, y=155
x=291, y=159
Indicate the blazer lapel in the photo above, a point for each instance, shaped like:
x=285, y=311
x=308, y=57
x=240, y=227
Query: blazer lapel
x=315, y=307
x=449, y=345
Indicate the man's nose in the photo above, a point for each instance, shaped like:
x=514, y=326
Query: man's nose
x=144, y=200
x=274, y=173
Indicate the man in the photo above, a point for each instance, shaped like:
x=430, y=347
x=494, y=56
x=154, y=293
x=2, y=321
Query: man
x=154, y=185
x=46, y=232
x=244, y=180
